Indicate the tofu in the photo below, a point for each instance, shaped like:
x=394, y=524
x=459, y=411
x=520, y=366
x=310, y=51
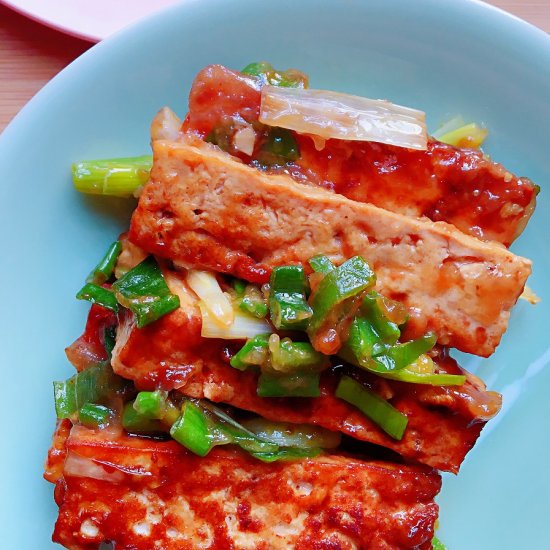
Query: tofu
x=444, y=423
x=204, y=208
x=143, y=494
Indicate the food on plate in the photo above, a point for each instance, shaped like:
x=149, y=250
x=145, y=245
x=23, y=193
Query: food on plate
x=266, y=360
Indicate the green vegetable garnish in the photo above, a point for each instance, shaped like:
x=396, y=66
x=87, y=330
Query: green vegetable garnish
x=263, y=70
x=103, y=271
x=98, y=295
x=382, y=413
x=94, y=416
x=144, y=291
x=120, y=177
x=303, y=384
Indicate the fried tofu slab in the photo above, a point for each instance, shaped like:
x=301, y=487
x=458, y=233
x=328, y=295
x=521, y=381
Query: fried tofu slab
x=143, y=494
x=444, y=422
x=204, y=208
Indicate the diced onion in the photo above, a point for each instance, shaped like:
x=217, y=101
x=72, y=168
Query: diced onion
x=205, y=285
x=342, y=116
x=243, y=326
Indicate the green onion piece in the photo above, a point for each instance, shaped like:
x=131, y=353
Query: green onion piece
x=290, y=78
x=321, y=264
x=144, y=291
x=287, y=356
x=120, y=177
x=287, y=454
x=435, y=379
x=288, y=288
x=359, y=346
x=109, y=338
x=92, y=415
x=253, y=354
x=382, y=413
x=388, y=332
x=134, y=422
x=281, y=146
x=437, y=544
x=96, y=384
x=285, y=434
x=253, y=302
x=191, y=429
x=103, y=271
x=240, y=286
x=397, y=357
x=330, y=298
x=156, y=405
x=98, y=295
x=303, y=384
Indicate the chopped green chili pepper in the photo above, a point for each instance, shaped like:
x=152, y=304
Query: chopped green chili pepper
x=95, y=384
x=134, y=422
x=291, y=78
x=156, y=405
x=144, y=291
x=253, y=302
x=321, y=264
x=120, y=177
x=287, y=356
x=191, y=430
x=397, y=357
x=253, y=354
x=92, y=415
x=98, y=295
x=280, y=143
x=103, y=271
x=304, y=384
x=382, y=413
x=330, y=298
x=387, y=331
x=288, y=288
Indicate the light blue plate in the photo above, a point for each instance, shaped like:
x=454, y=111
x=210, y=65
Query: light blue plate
x=445, y=57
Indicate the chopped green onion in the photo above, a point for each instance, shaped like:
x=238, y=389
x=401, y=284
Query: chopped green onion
x=240, y=286
x=120, y=177
x=387, y=331
x=144, y=291
x=287, y=454
x=156, y=405
x=285, y=434
x=321, y=264
x=330, y=298
x=95, y=384
x=382, y=413
x=437, y=544
x=253, y=354
x=134, y=422
x=287, y=356
x=291, y=78
x=92, y=415
x=288, y=288
x=280, y=146
x=303, y=384
x=397, y=357
x=191, y=430
x=98, y=295
x=253, y=302
x=103, y=271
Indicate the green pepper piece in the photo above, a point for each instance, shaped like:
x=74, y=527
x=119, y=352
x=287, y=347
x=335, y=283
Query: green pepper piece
x=253, y=302
x=98, y=295
x=321, y=264
x=303, y=384
x=92, y=415
x=338, y=286
x=156, y=405
x=253, y=354
x=295, y=357
x=388, y=332
x=397, y=357
x=382, y=413
x=288, y=290
x=103, y=271
x=191, y=430
x=144, y=291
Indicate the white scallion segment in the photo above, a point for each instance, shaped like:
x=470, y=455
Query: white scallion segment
x=243, y=326
x=342, y=116
x=205, y=285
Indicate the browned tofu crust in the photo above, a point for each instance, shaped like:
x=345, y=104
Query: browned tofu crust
x=142, y=495
x=206, y=209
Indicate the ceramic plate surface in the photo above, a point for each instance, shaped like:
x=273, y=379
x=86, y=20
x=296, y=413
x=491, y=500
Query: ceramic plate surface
x=445, y=57
x=91, y=20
